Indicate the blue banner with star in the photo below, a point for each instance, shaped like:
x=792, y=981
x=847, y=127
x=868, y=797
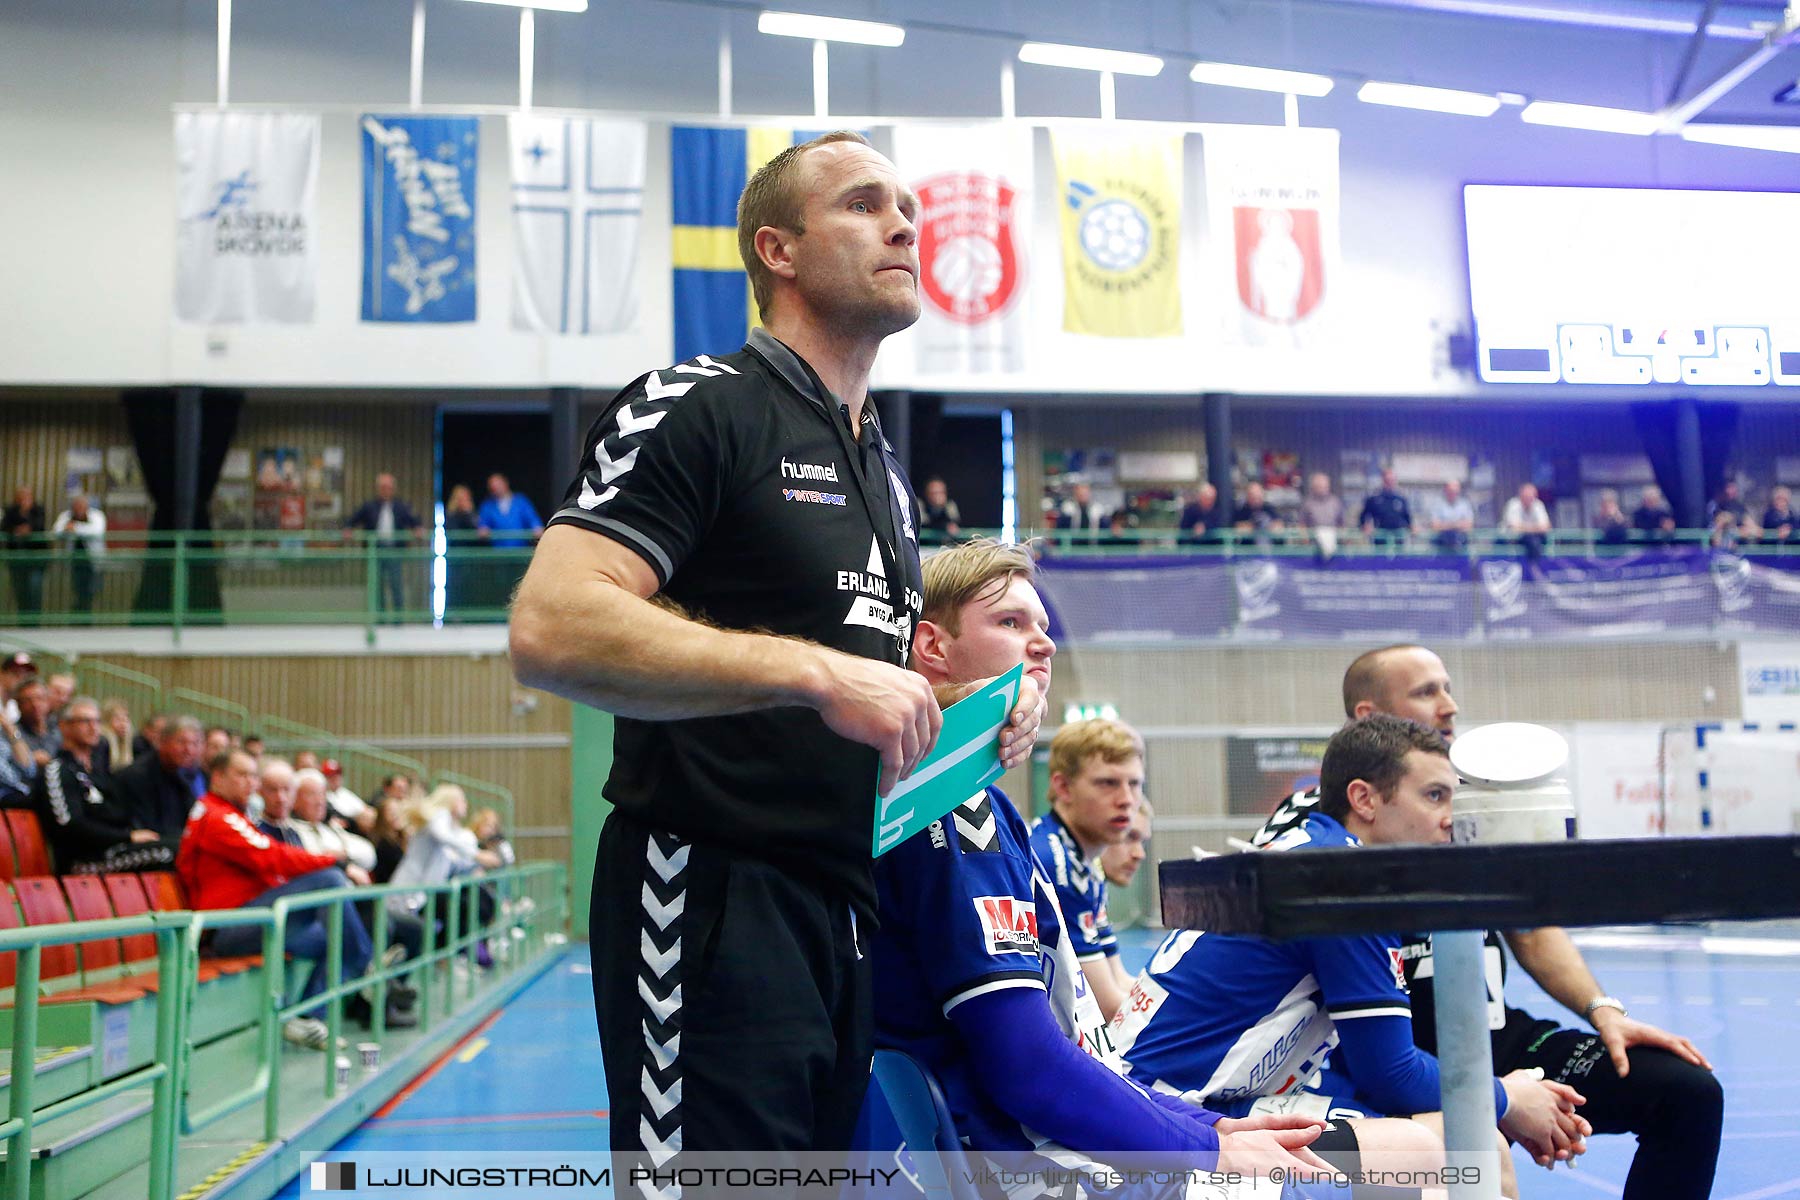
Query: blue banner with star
x=419, y=218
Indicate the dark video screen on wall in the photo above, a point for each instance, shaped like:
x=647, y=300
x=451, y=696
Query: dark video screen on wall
x=1634, y=286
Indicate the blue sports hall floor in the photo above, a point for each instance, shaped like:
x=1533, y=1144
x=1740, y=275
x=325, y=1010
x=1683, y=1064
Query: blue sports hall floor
x=530, y=1080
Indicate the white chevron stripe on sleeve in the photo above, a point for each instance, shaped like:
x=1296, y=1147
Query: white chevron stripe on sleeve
x=631, y=426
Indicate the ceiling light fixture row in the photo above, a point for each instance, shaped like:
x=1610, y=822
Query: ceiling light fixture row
x=1291, y=83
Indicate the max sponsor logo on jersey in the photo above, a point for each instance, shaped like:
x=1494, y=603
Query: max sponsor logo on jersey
x=1091, y=923
x=1397, y=961
x=1009, y=923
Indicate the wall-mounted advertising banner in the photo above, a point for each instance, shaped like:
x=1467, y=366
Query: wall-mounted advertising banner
x=419, y=218
x=1273, y=199
x=1168, y=598
x=246, y=185
x=974, y=189
x=1769, y=681
x=578, y=202
x=1119, y=194
x=1261, y=772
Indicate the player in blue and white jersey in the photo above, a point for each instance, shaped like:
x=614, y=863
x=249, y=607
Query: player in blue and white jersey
x=1242, y=1024
x=974, y=971
x=1096, y=786
x=1638, y=1078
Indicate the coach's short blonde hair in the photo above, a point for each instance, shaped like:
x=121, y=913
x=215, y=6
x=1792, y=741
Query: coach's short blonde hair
x=775, y=197
x=1078, y=741
x=973, y=570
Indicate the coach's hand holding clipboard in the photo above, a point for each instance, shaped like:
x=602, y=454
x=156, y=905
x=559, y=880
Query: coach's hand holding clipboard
x=967, y=758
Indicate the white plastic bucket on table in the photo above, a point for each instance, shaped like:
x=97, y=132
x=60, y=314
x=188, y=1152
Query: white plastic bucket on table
x=1514, y=786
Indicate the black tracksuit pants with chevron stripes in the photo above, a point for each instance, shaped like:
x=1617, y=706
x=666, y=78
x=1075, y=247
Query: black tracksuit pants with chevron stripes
x=733, y=1001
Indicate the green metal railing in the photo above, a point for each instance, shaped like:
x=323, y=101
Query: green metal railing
x=531, y=912
x=142, y=693
x=214, y=710
x=282, y=736
x=252, y=577
x=1351, y=543
x=22, y=1115
x=183, y=580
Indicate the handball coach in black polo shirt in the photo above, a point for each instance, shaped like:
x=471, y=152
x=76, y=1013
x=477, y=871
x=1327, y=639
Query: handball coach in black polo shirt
x=735, y=573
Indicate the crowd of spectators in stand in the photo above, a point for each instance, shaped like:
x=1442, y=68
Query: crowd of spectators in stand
x=242, y=828
x=1387, y=517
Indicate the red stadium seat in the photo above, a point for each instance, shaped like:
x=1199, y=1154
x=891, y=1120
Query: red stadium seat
x=88, y=902
x=9, y=919
x=164, y=890
x=6, y=853
x=28, y=842
x=129, y=900
x=41, y=900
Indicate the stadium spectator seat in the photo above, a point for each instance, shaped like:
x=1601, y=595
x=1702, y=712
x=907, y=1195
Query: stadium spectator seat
x=129, y=900
x=9, y=919
x=42, y=903
x=164, y=890
x=88, y=902
x=924, y=1118
x=29, y=850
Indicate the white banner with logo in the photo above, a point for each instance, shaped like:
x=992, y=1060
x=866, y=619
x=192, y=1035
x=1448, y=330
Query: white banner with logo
x=245, y=244
x=1616, y=776
x=1273, y=198
x=974, y=188
x=1769, y=680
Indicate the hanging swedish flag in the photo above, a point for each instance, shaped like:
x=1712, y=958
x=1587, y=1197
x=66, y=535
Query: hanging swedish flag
x=714, y=311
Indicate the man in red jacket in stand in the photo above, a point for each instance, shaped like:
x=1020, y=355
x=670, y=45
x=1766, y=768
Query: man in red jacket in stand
x=226, y=862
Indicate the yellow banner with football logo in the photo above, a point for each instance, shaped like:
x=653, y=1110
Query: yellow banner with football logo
x=1120, y=196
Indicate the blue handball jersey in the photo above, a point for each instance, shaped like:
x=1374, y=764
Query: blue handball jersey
x=1227, y=1017
x=965, y=912
x=1080, y=888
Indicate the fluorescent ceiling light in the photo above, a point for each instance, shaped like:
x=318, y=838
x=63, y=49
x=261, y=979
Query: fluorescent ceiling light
x=1587, y=116
x=557, y=5
x=1785, y=138
x=1087, y=58
x=1431, y=99
x=1261, y=79
x=830, y=29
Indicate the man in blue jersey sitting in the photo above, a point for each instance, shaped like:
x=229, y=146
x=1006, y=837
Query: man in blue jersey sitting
x=1096, y=785
x=974, y=974
x=1324, y=1025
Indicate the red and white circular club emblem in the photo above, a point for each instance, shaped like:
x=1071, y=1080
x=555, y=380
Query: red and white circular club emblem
x=968, y=255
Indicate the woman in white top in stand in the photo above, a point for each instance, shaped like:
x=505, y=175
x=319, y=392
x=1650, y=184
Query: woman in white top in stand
x=440, y=848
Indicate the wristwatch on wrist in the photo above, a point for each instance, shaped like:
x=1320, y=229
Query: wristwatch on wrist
x=1603, y=1002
